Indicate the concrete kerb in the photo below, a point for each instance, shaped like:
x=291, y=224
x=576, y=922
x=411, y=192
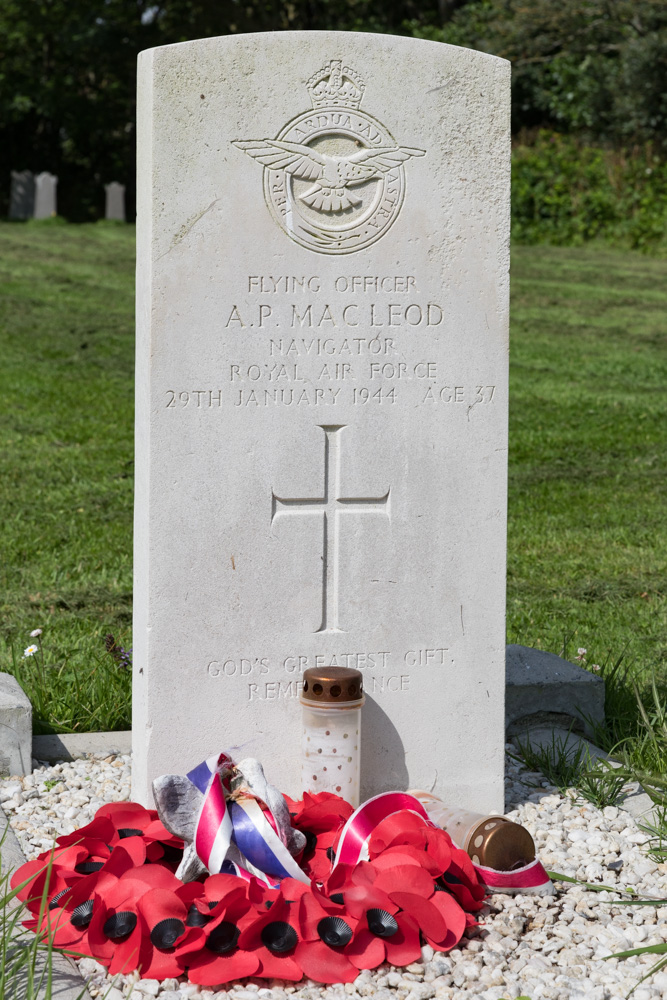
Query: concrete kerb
x=15, y=727
x=75, y=746
x=66, y=981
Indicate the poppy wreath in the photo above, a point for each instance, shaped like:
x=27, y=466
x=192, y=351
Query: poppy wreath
x=370, y=894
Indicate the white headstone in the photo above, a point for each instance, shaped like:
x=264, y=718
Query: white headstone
x=115, y=201
x=22, y=195
x=45, y=195
x=322, y=382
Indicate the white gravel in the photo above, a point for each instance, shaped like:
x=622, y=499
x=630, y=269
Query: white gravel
x=539, y=947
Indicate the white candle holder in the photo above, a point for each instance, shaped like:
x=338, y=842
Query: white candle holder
x=331, y=699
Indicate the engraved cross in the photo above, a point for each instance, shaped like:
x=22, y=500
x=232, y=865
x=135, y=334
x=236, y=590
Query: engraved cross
x=332, y=506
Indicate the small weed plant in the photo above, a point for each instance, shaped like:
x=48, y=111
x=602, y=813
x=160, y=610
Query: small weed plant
x=567, y=765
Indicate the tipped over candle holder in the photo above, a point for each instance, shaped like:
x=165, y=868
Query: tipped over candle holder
x=331, y=699
x=491, y=841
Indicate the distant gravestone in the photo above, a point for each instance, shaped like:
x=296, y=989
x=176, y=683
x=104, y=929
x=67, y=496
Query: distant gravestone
x=45, y=195
x=115, y=201
x=22, y=195
x=322, y=377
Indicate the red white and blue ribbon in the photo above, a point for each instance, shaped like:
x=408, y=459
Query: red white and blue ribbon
x=242, y=823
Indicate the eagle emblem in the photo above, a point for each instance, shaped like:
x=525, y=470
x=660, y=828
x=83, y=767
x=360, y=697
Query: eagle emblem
x=333, y=178
x=333, y=175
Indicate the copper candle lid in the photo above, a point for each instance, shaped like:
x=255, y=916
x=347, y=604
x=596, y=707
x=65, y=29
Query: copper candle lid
x=332, y=687
x=497, y=842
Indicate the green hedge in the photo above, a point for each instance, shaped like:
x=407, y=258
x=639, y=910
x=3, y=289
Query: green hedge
x=565, y=193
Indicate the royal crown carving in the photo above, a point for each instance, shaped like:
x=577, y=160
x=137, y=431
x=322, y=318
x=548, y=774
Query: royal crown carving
x=336, y=85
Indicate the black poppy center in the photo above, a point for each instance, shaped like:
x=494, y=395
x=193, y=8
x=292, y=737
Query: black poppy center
x=59, y=895
x=334, y=932
x=337, y=897
x=119, y=925
x=279, y=937
x=451, y=879
x=331, y=854
x=129, y=831
x=171, y=854
x=196, y=918
x=88, y=867
x=381, y=923
x=82, y=914
x=311, y=840
x=167, y=932
x=223, y=938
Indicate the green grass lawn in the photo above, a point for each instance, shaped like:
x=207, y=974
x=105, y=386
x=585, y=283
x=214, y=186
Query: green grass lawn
x=588, y=434
x=67, y=343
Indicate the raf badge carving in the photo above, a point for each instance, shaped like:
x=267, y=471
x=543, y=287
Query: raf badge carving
x=334, y=178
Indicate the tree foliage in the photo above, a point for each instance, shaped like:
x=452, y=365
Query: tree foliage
x=593, y=68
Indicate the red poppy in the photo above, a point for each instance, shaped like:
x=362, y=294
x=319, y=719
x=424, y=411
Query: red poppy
x=162, y=914
x=152, y=877
x=405, y=835
x=383, y=931
x=99, y=828
x=402, y=827
x=439, y=917
x=52, y=865
x=125, y=856
x=461, y=880
x=119, y=821
x=261, y=894
x=319, y=854
x=337, y=880
x=454, y=922
x=66, y=923
x=326, y=931
x=274, y=934
x=114, y=933
x=319, y=812
x=213, y=955
x=408, y=834
x=439, y=848
x=321, y=817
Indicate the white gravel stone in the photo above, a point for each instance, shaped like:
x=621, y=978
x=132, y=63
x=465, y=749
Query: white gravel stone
x=150, y=987
x=113, y=993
